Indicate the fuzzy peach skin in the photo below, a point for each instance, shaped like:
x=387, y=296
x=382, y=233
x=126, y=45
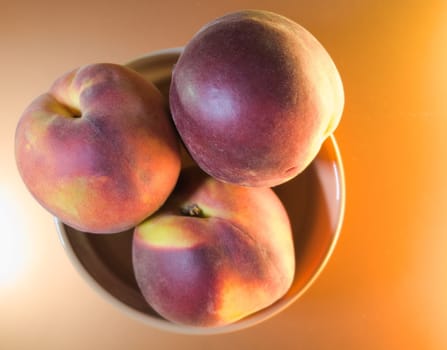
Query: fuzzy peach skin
x=253, y=97
x=98, y=150
x=214, y=253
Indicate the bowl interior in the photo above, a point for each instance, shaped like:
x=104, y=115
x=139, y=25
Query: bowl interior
x=314, y=201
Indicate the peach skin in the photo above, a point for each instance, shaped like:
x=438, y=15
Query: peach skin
x=253, y=97
x=214, y=253
x=98, y=150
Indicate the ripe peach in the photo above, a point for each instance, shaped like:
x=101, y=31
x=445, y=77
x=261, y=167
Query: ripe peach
x=98, y=150
x=253, y=97
x=214, y=253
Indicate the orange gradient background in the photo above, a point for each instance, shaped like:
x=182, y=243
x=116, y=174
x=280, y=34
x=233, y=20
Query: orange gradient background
x=385, y=286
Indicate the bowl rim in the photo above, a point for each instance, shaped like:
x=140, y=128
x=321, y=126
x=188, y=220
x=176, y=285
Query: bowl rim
x=249, y=321
x=159, y=54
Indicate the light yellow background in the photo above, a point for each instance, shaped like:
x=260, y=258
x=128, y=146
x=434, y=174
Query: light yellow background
x=385, y=287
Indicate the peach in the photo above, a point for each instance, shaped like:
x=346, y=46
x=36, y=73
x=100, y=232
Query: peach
x=214, y=253
x=99, y=150
x=253, y=97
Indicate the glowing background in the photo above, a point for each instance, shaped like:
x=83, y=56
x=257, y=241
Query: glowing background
x=386, y=284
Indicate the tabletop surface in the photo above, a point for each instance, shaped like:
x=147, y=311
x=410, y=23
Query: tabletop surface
x=385, y=285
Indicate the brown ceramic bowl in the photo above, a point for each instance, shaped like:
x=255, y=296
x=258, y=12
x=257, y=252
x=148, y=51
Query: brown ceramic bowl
x=315, y=201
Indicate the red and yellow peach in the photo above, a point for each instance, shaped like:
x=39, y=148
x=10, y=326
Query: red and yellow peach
x=99, y=150
x=214, y=253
